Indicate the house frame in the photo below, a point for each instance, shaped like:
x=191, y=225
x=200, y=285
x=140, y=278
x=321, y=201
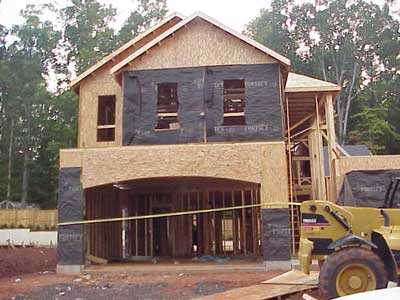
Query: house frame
x=267, y=165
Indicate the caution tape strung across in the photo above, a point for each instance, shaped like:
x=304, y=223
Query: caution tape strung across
x=181, y=213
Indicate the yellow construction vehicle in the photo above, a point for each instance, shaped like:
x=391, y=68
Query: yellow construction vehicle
x=358, y=248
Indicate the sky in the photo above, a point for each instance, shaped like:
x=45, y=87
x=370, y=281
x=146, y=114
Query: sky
x=233, y=13
x=230, y=12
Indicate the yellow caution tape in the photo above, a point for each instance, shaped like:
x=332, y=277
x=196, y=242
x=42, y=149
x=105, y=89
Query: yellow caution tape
x=181, y=213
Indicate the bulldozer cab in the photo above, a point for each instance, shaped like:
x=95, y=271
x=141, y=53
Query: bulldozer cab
x=391, y=201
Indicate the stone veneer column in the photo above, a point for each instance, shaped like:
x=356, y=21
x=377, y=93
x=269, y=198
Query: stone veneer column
x=70, y=246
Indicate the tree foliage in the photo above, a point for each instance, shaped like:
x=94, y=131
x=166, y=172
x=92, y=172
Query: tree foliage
x=36, y=123
x=352, y=43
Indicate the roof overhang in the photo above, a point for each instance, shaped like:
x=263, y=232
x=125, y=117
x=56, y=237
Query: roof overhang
x=298, y=83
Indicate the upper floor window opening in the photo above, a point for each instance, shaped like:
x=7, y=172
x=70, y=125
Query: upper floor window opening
x=234, y=102
x=106, y=118
x=167, y=106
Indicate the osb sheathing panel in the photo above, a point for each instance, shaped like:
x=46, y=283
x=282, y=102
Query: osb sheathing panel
x=275, y=184
x=199, y=44
x=357, y=163
x=99, y=83
x=258, y=162
x=70, y=158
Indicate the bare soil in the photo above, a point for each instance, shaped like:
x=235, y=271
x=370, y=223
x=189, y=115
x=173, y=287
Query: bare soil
x=125, y=285
x=19, y=261
x=29, y=273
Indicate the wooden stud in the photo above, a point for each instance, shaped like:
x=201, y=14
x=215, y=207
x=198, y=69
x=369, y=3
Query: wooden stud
x=243, y=225
x=223, y=224
x=199, y=227
x=136, y=228
x=234, y=226
x=214, y=229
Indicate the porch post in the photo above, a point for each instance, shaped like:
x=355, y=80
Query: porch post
x=330, y=129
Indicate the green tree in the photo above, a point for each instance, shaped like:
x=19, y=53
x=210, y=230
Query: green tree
x=341, y=41
x=24, y=93
x=146, y=14
x=88, y=36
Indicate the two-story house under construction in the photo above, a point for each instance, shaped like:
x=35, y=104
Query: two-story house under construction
x=193, y=116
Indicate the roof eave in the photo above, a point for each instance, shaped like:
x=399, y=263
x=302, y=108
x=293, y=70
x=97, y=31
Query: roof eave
x=335, y=89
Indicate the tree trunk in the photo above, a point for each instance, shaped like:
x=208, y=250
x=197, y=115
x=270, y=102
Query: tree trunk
x=340, y=118
x=25, y=174
x=25, y=178
x=349, y=98
x=323, y=69
x=10, y=151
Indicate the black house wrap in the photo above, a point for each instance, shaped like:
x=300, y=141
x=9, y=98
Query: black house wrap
x=70, y=249
x=275, y=234
x=367, y=188
x=200, y=96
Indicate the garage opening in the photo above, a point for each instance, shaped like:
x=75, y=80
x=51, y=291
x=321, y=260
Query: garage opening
x=216, y=233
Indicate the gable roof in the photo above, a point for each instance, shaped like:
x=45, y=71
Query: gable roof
x=283, y=60
x=302, y=83
x=125, y=46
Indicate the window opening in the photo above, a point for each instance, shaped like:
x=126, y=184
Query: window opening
x=167, y=106
x=234, y=102
x=106, y=119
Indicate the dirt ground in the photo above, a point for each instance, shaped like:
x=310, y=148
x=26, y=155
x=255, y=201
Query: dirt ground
x=44, y=283
x=18, y=261
x=125, y=286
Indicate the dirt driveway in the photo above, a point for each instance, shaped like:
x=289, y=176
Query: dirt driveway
x=124, y=286
x=31, y=276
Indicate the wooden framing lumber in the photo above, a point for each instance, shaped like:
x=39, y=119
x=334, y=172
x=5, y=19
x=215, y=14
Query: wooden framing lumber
x=96, y=260
x=298, y=123
x=341, y=149
x=331, y=143
x=317, y=166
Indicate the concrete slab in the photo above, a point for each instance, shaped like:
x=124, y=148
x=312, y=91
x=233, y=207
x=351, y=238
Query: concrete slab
x=69, y=269
x=178, y=266
x=284, y=265
x=24, y=236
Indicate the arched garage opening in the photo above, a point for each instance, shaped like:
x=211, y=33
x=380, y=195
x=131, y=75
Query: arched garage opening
x=232, y=232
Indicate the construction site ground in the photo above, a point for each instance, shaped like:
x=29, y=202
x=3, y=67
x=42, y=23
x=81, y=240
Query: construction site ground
x=29, y=273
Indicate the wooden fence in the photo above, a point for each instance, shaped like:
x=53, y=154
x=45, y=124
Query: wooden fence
x=35, y=219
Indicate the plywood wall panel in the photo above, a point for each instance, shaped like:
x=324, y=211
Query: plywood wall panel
x=262, y=163
x=200, y=44
x=274, y=184
x=234, y=161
